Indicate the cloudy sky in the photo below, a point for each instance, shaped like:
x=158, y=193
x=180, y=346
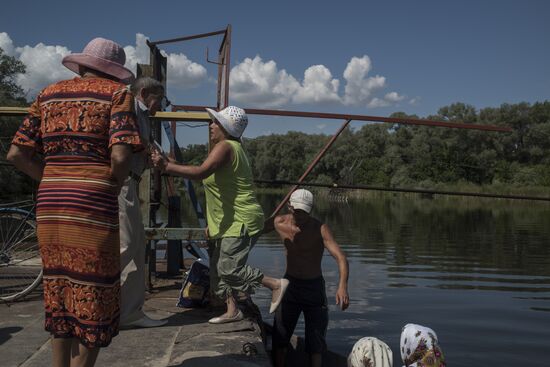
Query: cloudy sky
x=360, y=57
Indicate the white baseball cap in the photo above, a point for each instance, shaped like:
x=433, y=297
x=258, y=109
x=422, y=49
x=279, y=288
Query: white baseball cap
x=233, y=119
x=302, y=199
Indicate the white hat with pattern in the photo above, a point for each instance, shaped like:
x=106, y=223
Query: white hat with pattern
x=233, y=119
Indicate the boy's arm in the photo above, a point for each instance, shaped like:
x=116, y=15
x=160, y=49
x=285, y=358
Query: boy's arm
x=342, y=297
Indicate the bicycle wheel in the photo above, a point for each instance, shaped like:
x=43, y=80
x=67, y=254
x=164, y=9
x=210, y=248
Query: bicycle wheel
x=20, y=262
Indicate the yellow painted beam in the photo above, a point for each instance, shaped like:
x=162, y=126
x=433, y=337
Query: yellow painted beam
x=170, y=116
x=13, y=111
x=182, y=116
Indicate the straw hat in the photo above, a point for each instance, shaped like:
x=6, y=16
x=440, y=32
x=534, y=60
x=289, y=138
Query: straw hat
x=233, y=119
x=102, y=55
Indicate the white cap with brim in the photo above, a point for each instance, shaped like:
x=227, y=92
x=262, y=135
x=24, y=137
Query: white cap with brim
x=301, y=199
x=233, y=120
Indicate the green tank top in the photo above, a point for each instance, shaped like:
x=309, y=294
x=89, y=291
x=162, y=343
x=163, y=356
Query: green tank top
x=231, y=205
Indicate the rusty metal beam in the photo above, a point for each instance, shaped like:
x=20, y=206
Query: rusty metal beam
x=393, y=120
x=227, y=32
x=227, y=61
x=310, y=167
x=404, y=190
x=186, y=38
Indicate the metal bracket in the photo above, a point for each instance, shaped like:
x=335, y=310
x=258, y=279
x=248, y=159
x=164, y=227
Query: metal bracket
x=212, y=62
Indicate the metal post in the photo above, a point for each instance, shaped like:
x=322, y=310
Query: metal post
x=227, y=64
x=174, y=250
x=174, y=255
x=311, y=166
x=145, y=190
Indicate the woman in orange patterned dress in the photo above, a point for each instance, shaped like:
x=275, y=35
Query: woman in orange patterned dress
x=77, y=140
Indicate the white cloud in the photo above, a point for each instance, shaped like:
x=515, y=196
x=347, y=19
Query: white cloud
x=182, y=72
x=388, y=100
x=318, y=86
x=359, y=88
x=253, y=81
x=138, y=54
x=6, y=44
x=321, y=126
x=43, y=64
x=414, y=100
x=43, y=67
x=261, y=83
x=393, y=97
x=377, y=102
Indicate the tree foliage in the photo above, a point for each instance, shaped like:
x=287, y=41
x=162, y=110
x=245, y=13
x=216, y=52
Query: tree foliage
x=13, y=183
x=418, y=156
x=10, y=92
x=376, y=154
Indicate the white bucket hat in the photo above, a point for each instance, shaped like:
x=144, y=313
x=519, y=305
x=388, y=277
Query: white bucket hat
x=233, y=119
x=301, y=199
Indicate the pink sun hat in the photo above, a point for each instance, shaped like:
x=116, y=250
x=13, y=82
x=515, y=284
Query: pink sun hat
x=102, y=55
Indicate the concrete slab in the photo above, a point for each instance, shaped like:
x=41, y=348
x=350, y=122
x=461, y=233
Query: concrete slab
x=186, y=340
x=21, y=331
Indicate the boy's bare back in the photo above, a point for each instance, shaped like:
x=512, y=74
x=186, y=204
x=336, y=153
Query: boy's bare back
x=304, y=246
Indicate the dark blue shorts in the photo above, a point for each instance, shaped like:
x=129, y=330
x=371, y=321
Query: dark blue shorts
x=307, y=296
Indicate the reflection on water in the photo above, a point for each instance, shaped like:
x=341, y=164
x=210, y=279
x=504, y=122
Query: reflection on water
x=476, y=271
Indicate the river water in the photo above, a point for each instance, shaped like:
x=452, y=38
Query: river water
x=477, y=271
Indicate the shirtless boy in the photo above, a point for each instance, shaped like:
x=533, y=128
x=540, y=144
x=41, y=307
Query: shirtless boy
x=305, y=239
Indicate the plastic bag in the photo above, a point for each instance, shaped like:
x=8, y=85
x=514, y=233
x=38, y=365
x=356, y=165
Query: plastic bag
x=194, y=291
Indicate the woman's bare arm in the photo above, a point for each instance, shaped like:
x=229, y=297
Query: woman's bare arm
x=25, y=159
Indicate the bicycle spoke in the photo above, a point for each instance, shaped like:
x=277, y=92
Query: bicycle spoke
x=21, y=240
x=20, y=225
x=5, y=228
x=20, y=263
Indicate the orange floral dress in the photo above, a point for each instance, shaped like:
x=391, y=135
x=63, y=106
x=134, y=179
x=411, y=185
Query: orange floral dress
x=74, y=123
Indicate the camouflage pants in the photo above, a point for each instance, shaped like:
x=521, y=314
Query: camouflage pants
x=229, y=272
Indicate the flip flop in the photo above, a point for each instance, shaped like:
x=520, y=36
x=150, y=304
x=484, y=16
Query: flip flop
x=284, y=286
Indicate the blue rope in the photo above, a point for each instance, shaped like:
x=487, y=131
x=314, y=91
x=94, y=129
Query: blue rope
x=190, y=190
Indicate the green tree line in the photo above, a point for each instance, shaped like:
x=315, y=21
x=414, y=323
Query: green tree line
x=417, y=156
x=375, y=154
x=14, y=185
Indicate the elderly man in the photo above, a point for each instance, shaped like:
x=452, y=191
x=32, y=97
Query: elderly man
x=149, y=97
x=305, y=239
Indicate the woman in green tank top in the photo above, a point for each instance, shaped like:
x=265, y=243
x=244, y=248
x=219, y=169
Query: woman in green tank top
x=235, y=219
